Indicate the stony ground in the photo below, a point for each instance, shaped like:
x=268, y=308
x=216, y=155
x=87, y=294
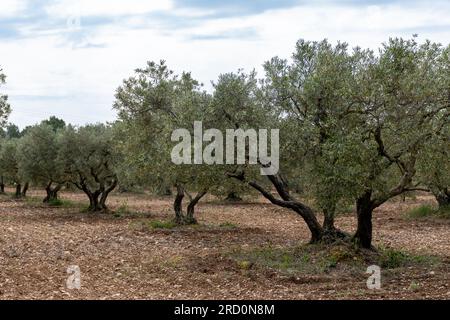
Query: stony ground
x=122, y=257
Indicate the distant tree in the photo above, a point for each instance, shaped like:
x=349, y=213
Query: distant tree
x=25, y=130
x=38, y=160
x=9, y=165
x=89, y=161
x=2, y=177
x=12, y=131
x=5, y=108
x=55, y=123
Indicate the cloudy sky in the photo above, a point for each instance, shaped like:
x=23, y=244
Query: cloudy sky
x=67, y=57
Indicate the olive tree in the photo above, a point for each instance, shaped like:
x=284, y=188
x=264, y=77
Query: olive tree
x=393, y=119
x=434, y=162
x=303, y=99
x=38, y=160
x=354, y=125
x=434, y=169
x=88, y=161
x=151, y=105
x=9, y=165
x=5, y=108
x=311, y=94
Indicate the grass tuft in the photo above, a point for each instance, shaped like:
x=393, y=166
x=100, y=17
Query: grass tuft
x=426, y=211
x=228, y=225
x=62, y=203
x=157, y=224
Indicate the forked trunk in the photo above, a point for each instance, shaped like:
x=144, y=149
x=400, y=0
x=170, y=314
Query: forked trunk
x=191, y=207
x=104, y=195
x=52, y=193
x=94, y=203
x=97, y=199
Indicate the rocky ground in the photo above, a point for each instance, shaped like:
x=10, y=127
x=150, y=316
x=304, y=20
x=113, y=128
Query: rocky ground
x=128, y=255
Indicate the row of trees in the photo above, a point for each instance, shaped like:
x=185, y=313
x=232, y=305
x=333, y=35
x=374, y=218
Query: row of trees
x=357, y=127
x=54, y=156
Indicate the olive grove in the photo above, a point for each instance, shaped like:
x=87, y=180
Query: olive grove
x=357, y=128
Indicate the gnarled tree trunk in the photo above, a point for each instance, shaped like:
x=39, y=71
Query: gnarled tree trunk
x=25, y=189
x=189, y=218
x=94, y=203
x=52, y=193
x=191, y=207
x=178, y=204
x=328, y=219
x=330, y=232
x=287, y=201
x=97, y=198
x=104, y=195
x=364, y=210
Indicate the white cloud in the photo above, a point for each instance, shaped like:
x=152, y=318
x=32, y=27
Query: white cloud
x=367, y=26
x=10, y=8
x=80, y=84
x=106, y=7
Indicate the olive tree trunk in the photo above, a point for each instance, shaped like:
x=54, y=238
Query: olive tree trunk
x=25, y=189
x=97, y=198
x=2, y=185
x=189, y=218
x=52, y=193
x=442, y=196
x=178, y=204
x=18, y=193
x=328, y=218
x=286, y=201
x=364, y=210
x=191, y=207
x=105, y=193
